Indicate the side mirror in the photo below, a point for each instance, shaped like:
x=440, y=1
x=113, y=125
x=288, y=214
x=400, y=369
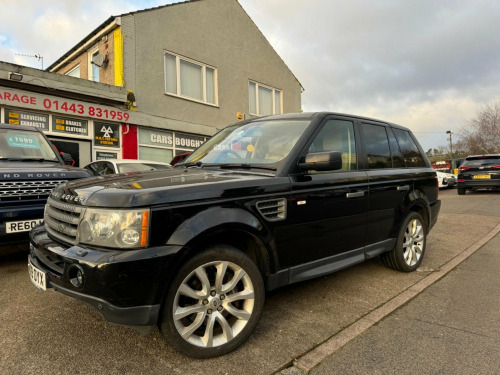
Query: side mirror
x=322, y=161
x=68, y=160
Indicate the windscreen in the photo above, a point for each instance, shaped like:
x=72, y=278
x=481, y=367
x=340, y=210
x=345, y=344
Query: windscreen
x=260, y=142
x=19, y=144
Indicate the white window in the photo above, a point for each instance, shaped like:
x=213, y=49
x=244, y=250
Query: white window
x=190, y=79
x=264, y=100
x=75, y=72
x=93, y=69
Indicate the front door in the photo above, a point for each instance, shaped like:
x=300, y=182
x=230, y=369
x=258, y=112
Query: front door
x=328, y=209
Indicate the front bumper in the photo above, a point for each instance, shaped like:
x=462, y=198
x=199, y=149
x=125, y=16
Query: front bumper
x=126, y=287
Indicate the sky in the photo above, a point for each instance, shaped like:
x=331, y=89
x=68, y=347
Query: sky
x=426, y=64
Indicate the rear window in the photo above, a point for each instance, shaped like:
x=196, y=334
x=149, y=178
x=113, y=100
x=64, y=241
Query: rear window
x=409, y=149
x=482, y=161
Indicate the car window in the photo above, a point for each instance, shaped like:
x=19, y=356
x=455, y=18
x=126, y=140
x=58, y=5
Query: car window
x=101, y=168
x=377, y=146
x=481, y=161
x=337, y=135
x=409, y=148
x=20, y=144
x=134, y=167
x=397, y=157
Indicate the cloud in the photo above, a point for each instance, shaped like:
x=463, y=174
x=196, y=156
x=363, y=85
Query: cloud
x=426, y=64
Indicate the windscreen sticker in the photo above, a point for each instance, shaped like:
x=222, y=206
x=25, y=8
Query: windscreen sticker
x=23, y=141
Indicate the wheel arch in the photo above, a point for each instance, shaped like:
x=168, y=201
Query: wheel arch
x=225, y=226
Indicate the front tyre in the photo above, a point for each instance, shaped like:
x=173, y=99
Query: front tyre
x=410, y=245
x=213, y=303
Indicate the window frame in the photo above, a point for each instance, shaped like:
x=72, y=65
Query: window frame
x=203, y=67
x=274, y=90
x=92, y=52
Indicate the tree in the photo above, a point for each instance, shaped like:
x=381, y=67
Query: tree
x=481, y=134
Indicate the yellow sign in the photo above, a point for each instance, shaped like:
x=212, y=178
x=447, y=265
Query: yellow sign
x=60, y=127
x=13, y=122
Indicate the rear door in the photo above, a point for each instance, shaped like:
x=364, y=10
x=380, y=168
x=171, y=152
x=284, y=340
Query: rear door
x=389, y=183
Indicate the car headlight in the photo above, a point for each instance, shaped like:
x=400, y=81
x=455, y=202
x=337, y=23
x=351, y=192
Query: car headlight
x=115, y=228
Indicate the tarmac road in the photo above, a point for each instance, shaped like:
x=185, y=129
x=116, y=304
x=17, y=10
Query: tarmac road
x=47, y=332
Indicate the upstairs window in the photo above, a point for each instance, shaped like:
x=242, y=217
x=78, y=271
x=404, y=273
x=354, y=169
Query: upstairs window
x=190, y=79
x=264, y=100
x=75, y=72
x=93, y=71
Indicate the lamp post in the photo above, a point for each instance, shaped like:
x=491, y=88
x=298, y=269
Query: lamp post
x=451, y=150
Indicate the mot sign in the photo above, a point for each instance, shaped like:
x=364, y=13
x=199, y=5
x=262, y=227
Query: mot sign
x=107, y=135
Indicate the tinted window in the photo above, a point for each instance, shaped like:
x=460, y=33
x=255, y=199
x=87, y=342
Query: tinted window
x=377, y=146
x=397, y=156
x=337, y=135
x=482, y=161
x=409, y=148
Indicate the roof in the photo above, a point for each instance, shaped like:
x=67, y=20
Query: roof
x=112, y=19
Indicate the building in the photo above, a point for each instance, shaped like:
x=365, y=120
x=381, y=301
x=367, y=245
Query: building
x=189, y=69
x=83, y=118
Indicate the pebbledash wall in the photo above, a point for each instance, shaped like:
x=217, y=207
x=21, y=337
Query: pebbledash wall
x=87, y=119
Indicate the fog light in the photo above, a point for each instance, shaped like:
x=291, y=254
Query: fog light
x=76, y=276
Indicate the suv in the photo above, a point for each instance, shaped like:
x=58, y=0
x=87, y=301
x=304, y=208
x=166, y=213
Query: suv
x=264, y=203
x=479, y=172
x=29, y=169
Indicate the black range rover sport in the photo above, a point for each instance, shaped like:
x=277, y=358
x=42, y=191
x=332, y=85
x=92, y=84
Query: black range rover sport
x=262, y=204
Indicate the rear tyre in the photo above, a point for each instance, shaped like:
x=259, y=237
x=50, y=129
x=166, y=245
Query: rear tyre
x=410, y=245
x=213, y=303
x=461, y=191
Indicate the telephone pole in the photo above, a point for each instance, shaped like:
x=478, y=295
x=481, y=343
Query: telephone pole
x=451, y=150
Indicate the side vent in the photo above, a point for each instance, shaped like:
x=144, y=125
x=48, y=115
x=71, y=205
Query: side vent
x=272, y=210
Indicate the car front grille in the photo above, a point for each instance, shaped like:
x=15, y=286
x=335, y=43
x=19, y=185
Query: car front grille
x=62, y=219
x=23, y=190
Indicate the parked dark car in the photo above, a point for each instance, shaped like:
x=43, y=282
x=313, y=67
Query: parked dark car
x=30, y=168
x=262, y=204
x=479, y=172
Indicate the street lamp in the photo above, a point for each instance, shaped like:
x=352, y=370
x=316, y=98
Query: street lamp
x=451, y=150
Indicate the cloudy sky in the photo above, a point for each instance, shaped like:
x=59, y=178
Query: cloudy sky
x=426, y=64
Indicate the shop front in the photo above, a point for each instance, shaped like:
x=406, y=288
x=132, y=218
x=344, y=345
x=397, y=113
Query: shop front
x=92, y=131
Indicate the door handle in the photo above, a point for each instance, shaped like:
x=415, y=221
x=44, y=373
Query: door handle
x=404, y=188
x=355, y=195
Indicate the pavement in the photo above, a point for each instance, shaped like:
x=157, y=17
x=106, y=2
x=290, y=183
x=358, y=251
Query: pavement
x=451, y=326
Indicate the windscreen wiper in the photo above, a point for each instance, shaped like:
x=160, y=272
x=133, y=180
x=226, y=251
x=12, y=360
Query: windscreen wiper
x=192, y=164
x=238, y=165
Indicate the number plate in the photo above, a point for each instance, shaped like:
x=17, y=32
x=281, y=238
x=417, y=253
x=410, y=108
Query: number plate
x=37, y=277
x=21, y=226
x=481, y=176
